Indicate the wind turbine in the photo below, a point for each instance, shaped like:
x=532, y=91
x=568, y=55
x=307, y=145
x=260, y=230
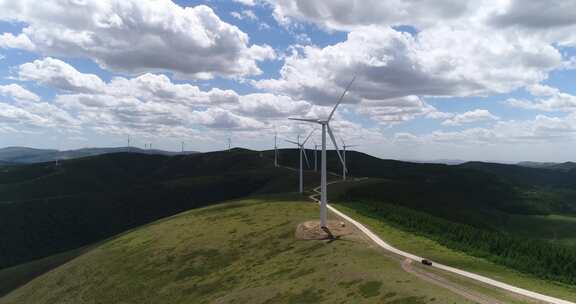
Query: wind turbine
x=57, y=160
x=302, y=152
x=275, y=149
x=316, y=157
x=344, y=147
x=326, y=128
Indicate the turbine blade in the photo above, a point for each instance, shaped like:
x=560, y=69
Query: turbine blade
x=305, y=156
x=305, y=119
x=291, y=141
x=308, y=137
x=341, y=97
x=336, y=146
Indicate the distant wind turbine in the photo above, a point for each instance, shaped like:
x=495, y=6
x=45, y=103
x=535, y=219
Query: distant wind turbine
x=326, y=128
x=302, y=152
x=275, y=149
x=344, y=147
x=57, y=160
x=316, y=157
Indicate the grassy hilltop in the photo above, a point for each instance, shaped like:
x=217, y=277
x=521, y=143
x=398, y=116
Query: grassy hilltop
x=239, y=252
x=46, y=209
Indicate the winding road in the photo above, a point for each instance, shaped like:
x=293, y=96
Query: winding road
x=376, y=239
x=407, y=265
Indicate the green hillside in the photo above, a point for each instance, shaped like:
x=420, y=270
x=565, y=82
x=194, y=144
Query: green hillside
x=46, y=209
x=25, y=155
x=566, y=166
x=472, y=193
x=240, y=252
x=525, y=175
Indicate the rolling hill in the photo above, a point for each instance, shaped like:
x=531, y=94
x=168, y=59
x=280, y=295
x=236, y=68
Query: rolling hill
x=525, y=176
x=88, y=199
x=25, y=155
x=472, y=186
x=239, y=252
x=566, y=166
x=46, y=209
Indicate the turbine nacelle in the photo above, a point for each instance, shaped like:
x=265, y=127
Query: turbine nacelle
x=312, y=120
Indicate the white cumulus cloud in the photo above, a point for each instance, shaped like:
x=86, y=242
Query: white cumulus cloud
x=246, y=2
x=351, y=14
x=151, y=103
x=18, y=93
x=133, y=36
x=547, y=99
x=441, y=61
x=478, y=115
x=60, y=75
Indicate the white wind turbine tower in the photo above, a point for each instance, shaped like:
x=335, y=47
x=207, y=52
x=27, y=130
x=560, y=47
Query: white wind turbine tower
x=344, y=147
x=316, y=157
x=57, y=160
x=302, y=152
x=326, y=128
x=275, y=149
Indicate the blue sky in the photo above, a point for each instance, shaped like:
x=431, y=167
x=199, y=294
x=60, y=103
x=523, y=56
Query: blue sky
x=478, y=84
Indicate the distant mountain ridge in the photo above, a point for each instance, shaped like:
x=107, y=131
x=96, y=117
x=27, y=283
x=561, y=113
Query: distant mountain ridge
x=565, y=166
x=26, y=155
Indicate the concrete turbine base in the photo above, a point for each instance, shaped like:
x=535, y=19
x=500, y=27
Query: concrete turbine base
x=311, y=230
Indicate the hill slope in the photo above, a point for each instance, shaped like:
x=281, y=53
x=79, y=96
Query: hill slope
x=473, y=192
x=45, y=209
x=566, y=166
x=525, y=175
x=25, y=155
x=242, y=252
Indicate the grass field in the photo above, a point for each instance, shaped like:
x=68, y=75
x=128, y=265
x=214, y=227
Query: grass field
x=430, y=249
x=15, y=276
x=239, y=252
x=46, y=210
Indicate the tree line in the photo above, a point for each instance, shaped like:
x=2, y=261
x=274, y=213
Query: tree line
x=537, y=257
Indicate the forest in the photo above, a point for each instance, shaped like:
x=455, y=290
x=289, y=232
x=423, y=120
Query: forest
x=537, y=257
